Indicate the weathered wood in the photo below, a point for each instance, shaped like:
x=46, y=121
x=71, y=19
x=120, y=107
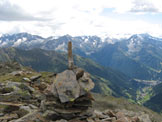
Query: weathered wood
x=70, y=56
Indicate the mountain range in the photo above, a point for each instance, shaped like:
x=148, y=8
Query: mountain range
x=129, y=67
x=139, y=56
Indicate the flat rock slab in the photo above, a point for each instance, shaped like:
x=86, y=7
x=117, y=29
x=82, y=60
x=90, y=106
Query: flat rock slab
x=9, y=117
x=34, y=78
x=30, y=117
x=11, y=104
x=67, y=86
x=68, y=111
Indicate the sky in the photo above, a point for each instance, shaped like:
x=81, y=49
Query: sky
x=114, y=18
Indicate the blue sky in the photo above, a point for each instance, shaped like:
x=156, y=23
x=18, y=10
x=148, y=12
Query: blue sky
x=150, y=17
x=113, y=18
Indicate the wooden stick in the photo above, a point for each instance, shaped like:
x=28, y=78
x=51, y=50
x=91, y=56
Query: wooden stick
x=70, y=56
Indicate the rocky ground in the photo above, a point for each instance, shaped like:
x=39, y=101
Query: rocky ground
x=29, y=96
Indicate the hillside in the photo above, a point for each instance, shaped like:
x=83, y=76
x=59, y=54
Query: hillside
x=29, y=89
x=138, y=56
x=102, y=102
x=107, y=80
x=154, y=102
x=115, y=58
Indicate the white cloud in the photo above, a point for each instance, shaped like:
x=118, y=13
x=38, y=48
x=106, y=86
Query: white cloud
x=12, y=12
x=144, y=6
x=77, y=17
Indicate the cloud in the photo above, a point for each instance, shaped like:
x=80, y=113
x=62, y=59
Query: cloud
x=144, y=6
x=12, y=12
x=76, y=17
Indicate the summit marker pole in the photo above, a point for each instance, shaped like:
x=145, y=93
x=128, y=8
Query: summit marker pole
x=70, y=56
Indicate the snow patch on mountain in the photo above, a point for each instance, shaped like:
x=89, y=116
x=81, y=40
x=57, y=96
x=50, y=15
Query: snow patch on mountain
x=81, y=45
x=53, y=37
x=17, y=43
x=86, y=40
x=109, y=41
x=24, y=39
x=3, y=44
x=134, y=45
x=61, y=47
x=95, y=43
x=139, y=37
x=115, y=36
x=37, y=41
x=89, y=53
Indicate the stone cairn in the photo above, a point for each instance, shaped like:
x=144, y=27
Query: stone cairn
x=69, y=95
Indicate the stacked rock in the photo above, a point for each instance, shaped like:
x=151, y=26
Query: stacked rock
x=70, y=96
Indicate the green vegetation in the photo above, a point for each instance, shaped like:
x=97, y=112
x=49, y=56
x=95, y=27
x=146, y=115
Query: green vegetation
x=144, y=95
x=154, y=102
x=105, y=89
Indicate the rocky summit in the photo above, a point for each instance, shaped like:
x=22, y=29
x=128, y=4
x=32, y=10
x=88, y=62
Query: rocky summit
x=29, y=96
